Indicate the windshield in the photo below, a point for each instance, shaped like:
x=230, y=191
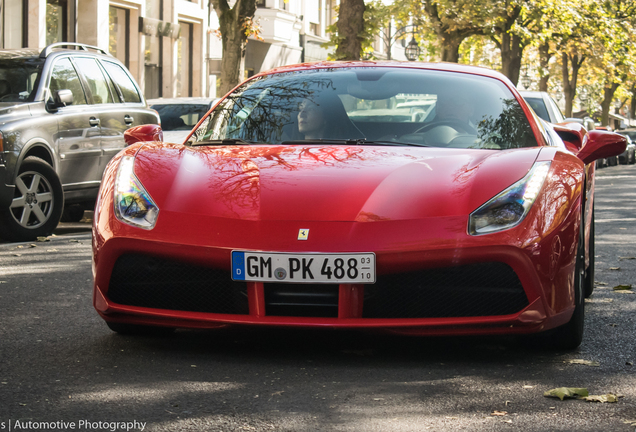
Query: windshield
x=376, y=104
x=19, y=78
x=180, y=116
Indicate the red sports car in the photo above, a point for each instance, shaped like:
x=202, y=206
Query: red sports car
x=412, y=198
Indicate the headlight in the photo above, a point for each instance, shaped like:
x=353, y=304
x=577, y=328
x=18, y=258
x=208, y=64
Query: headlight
x=511, y=206
x=133, y=205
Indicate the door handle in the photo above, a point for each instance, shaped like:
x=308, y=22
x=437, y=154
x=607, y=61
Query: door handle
x=93, y=121
x=128, y=119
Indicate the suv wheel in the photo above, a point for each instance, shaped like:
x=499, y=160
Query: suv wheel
x=37, y=203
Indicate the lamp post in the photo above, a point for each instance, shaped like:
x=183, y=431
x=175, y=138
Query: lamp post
x=526, y=81
x=412, y=50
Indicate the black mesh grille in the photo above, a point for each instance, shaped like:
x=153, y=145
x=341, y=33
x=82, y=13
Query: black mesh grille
x=139, y=280
x=484, y=289
x=301, y=300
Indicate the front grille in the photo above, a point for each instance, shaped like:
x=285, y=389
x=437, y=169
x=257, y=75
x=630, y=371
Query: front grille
x=484, y=289
x=140, y=280
x=301, y=300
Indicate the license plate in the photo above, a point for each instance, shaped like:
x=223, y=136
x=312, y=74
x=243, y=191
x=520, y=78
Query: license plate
x=303, y=268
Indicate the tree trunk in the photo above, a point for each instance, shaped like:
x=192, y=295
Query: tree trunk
x=606, y=104
x=632, y=105
x=544, y=64
x=450, y=46
x=511, y=53
x=569, y=80
x=232, y=26
x=350, y=26
x=450, y=40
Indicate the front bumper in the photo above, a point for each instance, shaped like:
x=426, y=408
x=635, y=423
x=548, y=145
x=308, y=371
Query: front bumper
x=540, y=308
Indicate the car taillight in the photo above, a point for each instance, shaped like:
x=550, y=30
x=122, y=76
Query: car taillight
x=1, y=143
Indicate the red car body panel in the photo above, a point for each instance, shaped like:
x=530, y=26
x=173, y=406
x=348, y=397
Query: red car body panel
x=224, y=212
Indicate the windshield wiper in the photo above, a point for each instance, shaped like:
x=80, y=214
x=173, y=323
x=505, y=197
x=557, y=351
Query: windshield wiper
x=225, y=141
x=357, y=141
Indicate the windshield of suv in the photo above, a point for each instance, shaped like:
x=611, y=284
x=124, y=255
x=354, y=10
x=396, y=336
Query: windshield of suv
x=19, y=78
x=381, y=105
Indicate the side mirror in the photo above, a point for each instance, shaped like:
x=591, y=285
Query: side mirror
x=63, y=98
x=60, y=99
x=602, y=144
x=147, y=132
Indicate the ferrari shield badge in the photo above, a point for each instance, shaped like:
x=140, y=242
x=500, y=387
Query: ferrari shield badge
x=303, y=234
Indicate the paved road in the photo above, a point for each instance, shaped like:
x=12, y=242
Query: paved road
x=60, y=363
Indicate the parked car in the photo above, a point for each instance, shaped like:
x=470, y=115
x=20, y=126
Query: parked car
x=179, y=115
x=63, y=113
x=629, y=155
x=280, y=210
x=543, y=105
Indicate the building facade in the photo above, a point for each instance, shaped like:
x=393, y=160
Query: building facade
x=170, y=46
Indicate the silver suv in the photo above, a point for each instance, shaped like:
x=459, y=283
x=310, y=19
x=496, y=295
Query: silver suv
x=63, y=113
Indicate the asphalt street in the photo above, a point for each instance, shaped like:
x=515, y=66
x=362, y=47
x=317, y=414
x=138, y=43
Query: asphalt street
x=61, y=368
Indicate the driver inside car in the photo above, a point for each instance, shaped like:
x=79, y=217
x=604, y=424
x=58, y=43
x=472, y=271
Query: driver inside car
x=455, y=106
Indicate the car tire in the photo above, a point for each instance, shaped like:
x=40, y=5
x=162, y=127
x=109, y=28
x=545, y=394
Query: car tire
x=37, y=204
x=613, y=161
x=569, y=336
x=136, y=329
x=588, y=287
x=72, y=213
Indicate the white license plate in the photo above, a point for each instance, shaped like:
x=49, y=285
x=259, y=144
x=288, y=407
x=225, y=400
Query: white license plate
x=303, y=268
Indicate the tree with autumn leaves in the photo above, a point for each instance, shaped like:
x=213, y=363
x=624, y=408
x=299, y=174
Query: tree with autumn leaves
x=564, y=44
x=572, y=42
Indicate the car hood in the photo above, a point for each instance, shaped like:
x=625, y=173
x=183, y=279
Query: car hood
x=326, y=183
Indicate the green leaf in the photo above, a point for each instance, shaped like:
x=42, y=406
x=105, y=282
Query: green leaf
x=566, y=392
x=622, y=287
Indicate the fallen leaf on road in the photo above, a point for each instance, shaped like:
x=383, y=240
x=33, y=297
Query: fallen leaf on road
x=566, y=392
x=51, y=250
x=614, y=268
x=622, y=287
x=611, y=398
x=627, y=258
x=499, y=413
x=32, y=245
x=17, y=255
x=528, y=386
x=43, y=239
x=625, y=291
x=583, y=362
x=600, y=283
x=629, y=363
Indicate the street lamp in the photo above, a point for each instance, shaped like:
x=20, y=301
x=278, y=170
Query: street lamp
x=412, y=50
x=526, y=81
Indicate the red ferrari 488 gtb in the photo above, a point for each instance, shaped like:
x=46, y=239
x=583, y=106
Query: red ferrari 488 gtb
x=412, y=198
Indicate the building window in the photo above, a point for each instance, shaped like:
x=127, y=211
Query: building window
x=56, y=21
x=184, y=65
x=12, y=17
x=153, y=58
x=118, y=27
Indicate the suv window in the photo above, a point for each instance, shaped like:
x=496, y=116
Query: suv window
x=96, y=81
x=128, y=89
x=64, y=76
x=18, y=79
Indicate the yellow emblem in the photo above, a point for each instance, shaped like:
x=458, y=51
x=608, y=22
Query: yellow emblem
x=303, y=234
